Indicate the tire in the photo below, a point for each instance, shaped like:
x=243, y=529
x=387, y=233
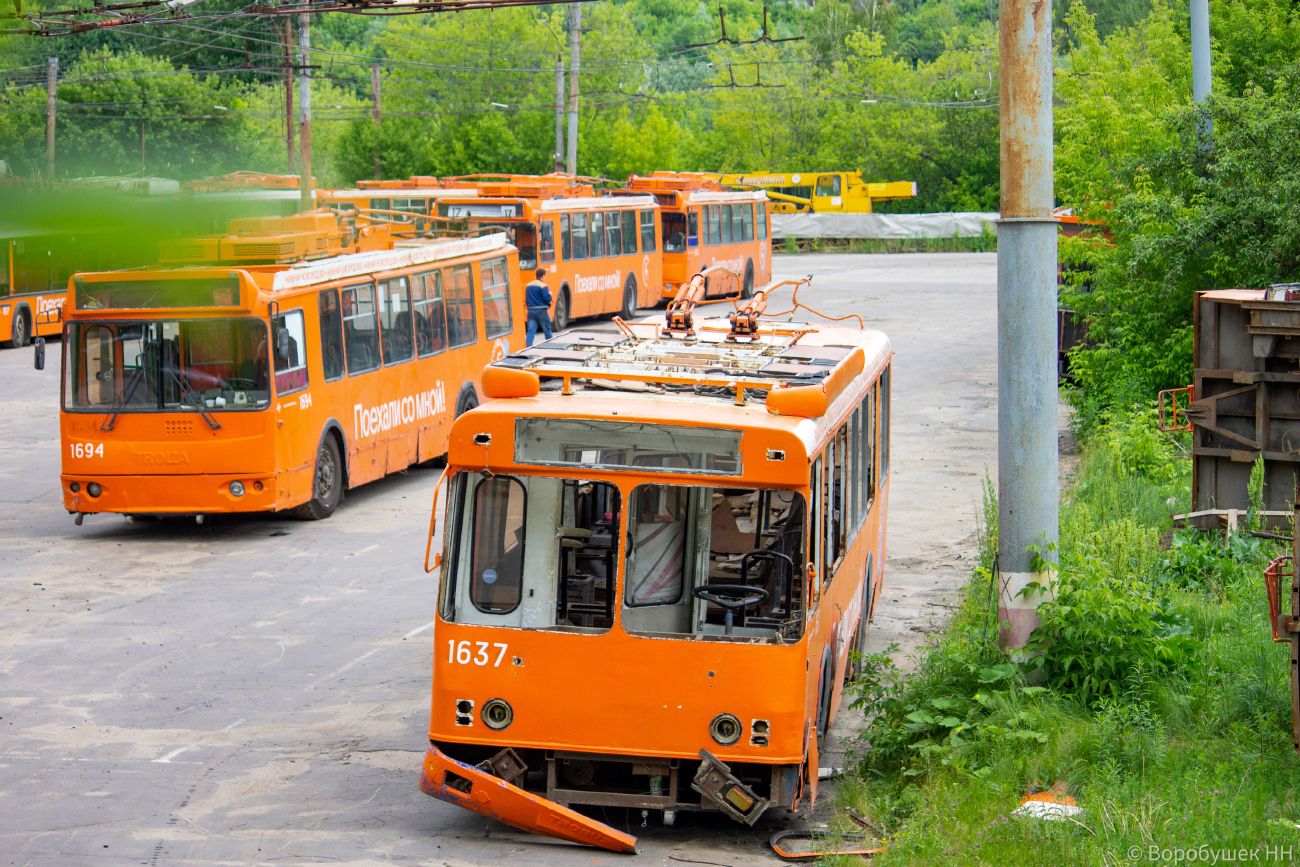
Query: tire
x=747, y=290
x=327, y=483
x=468, y=400
x=560, y=320
x=22, y=330
x=629, y=299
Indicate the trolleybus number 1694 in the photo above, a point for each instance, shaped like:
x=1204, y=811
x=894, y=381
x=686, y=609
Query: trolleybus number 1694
x=86, y=450
x=462, y=654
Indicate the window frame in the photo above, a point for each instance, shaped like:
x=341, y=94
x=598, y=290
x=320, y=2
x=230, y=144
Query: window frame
x=471, y=304
x=276, y=373
x=546, y=242
x=494, y=331
x=381, y=304
x=613, y=233
x=760, y=221
x=580, y=234
x=647, y=220
x=345, y=318
x=566, y=242
x=692, y=228
x=336, y=343
x=426, y=301
x=474, y=535
x=596, y=234
x=724, y=223
x=631, y=228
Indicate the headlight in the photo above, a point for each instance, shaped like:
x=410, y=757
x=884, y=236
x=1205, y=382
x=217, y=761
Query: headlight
x=94, y=489
x=75, y=487
x=725, y=729
x=497, y=714
x=237, y=489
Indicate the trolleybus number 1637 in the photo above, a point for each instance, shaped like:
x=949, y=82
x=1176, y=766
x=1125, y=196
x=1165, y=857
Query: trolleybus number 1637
x=462, y=654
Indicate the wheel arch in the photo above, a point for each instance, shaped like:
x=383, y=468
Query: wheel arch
x=23, y=309
x=335, y=429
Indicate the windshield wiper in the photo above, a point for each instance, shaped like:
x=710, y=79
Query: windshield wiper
x=189, y=394
x=136, y=377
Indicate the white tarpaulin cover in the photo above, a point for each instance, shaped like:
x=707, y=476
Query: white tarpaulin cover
x=949, y=225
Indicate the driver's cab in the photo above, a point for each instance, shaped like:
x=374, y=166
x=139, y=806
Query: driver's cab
x=536, y=552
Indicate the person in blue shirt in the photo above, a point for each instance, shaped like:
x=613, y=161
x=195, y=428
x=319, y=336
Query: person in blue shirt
x=537, y=298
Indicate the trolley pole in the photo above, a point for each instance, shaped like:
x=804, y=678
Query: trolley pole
x=374, y=88
x=575, y=51
x=1027, y=386
x=304, y=112
x=51, y=92
x=1201, y=82
x=559, y=113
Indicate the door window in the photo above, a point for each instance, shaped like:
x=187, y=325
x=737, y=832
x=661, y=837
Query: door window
x=579, y=222
x=289, y=331
x=331, y=334
x=656, y=555
x=497, y=554
x=395, y=320
x=360, y=328
x=462, y=325
x=628, y=219
x=430, y=318
x=496, y=298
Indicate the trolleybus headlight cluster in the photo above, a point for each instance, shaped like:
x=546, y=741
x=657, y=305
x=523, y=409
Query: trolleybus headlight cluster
x=94, y=489
x=75, y=487
x=497, y=714
x=237, y=489
x=725, y=729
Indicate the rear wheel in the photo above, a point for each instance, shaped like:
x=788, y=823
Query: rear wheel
x=22, y=329
x=747, y=290
x=467, y=401
x=629, y=298
x=560, y=320
x=327, y=484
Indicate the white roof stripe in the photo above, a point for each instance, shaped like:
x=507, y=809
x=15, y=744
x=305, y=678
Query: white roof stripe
x=603, y=202
x=357, y=264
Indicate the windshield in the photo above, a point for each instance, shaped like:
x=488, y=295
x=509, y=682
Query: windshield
x=169, y=365
x=539, y=552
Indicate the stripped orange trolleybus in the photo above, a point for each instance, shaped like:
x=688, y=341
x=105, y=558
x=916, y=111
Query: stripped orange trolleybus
x=283, y=374
x=656, y=551
x=705, y=226
x=602, y=253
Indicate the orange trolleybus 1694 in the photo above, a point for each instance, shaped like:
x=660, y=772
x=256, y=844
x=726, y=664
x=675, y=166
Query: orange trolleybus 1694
x=656, y=551
x=705, y=226
x=283, y=374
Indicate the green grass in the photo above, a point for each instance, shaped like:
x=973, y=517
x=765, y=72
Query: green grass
x=986, y=243
x=1192, y=751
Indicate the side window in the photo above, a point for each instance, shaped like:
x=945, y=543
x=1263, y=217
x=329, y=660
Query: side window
x=835, y=186
x=884, y=422
x=693, y=228
x=824, y=185
x=579, y=222
x=867, y=475
x=647, y=231
x=462, y=325
x=656, y=545
x=817, y=526
x=98, y=382
x=724, y=220
x=430, y=318
x=853, y=490
x=761, y=220
x=546, y=241
x=496, y=298
x=289, y=331
x=597, y=235
x=380, y=205
x=839, y=492
x=360, y=328
x=613, y=234
x=629, y=232
x=331, y=334
x=497, y=550
x=395, y=320
x=566, y=246
x=714, y=228
x=746, y=222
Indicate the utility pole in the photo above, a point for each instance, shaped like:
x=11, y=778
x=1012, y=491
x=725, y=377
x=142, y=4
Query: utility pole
x=1027, y=387
x=575, y=51
x=1201, y=82
x=288, y=93
x=304, y=111
x=143, y=170
x=51, y=90
x=559, y=113
x=374, y=89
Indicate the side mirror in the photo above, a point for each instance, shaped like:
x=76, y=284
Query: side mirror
x=38, y=349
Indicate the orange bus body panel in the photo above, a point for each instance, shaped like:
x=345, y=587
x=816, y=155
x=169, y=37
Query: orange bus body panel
x=43, y=311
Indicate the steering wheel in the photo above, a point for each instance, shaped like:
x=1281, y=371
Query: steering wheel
x=732, y=598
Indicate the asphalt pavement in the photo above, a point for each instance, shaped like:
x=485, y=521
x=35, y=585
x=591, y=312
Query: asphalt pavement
x=255, y=690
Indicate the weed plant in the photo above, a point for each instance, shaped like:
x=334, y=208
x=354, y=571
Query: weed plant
x=1155, y=692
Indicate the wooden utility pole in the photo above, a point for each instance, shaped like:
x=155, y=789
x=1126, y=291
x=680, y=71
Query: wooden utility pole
x=575, y=50
x=374, y=89
x=288, y=93
x=304, y=111
x=51, y=89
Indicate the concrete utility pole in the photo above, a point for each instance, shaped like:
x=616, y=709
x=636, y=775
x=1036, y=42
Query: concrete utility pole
x=1027, y=444
x=575, y=50
x=374, y=89
x=559, y=113
x=1201, y=82
x=51, y=90
x=304, y=112
x=288, y=93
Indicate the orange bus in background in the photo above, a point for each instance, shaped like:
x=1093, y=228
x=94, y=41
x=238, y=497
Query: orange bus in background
x=602, y=253
x=309, y=358
x=652, y=572
x=30, y=314
x=705, y=226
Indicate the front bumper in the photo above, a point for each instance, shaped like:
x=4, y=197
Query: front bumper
x=170, y=495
